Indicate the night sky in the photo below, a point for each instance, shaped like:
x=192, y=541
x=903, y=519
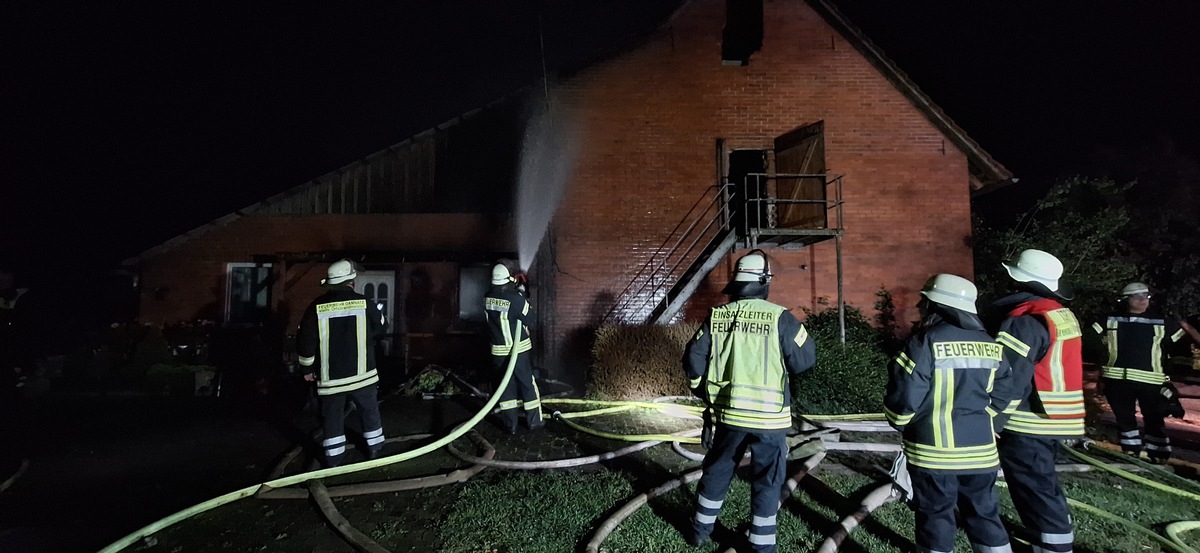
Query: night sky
x=126, y=124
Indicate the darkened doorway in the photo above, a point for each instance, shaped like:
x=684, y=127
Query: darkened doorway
x=748, y=188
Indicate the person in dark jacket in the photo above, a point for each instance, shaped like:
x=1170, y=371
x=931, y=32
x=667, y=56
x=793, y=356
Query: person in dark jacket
x=1133, y=374
x=943, y=391
x=740, y=362
x=335, y=344
x=509, y=318
x=1042, y=343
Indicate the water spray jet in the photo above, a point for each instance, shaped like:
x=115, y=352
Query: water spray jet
x=549, y=150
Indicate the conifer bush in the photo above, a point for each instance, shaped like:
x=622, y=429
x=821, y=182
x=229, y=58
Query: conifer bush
x=644, y=362
x=639, y=362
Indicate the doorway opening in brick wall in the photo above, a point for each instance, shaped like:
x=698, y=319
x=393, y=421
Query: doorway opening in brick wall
x=747, y=190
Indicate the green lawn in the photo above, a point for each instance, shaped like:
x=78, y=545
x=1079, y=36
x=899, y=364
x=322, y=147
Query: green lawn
x=502, y=511
x=555, y=512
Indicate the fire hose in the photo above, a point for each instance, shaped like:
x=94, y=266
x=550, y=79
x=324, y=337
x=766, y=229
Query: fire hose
x=1172, y=541
x=235, y=495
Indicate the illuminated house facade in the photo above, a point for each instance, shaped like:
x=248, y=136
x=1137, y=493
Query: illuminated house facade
x=722, y=130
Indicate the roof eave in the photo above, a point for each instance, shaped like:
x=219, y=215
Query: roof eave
x=987, y=174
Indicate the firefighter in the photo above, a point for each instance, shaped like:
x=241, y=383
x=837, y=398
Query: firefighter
x=509, y=318
x=1134, y=374
x=335, y=344
x=739, y=362
x=1042, y=343
x=943, y=390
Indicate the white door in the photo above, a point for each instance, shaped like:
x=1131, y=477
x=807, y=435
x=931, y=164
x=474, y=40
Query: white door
x=380, y=287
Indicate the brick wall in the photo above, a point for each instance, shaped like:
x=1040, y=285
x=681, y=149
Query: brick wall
x=652, y=115
x=187, y=281
x=650, y=119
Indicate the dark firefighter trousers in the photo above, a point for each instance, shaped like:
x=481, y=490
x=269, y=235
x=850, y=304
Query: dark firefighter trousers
x=521, y=393
x=333, y=411
x=1028, y=463
x=935, y=495
x=768, y=465
x=1125, y=396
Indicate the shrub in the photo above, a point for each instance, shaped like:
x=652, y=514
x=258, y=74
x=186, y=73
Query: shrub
x=642, y=362
x=430, y=381
x=639, y=362
x=847, y=379
x=1080, y=220
x=885, y=319
x=824, y=326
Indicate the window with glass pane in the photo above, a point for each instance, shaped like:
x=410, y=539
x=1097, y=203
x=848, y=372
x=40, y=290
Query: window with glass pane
x=247, y=293
x=473, y=284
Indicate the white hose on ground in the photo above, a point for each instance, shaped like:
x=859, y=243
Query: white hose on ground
x=235, y=495
x=859, y=446
x=265, y=492
x=8, y=482
x=560, y=463
x=352, y=535
x=388, y=486
x=793, y=481
x=879, y=496
x=860, y=426
x=614, y=520
x=689, y=455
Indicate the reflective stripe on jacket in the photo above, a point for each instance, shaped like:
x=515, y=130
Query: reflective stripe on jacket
x=740, y=360
x=1053, y=405
x=336, y=337
x=942, y=393
x=1135, y=347
x=508, y=318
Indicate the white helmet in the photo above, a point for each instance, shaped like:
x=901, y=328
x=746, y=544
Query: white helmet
x=500, y=274
x=1134, y=288
x=1036, y=266
x=753, y=267
x=339, y=272
x=951, y=291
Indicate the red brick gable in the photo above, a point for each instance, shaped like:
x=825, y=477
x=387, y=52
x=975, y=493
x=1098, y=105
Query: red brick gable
x=652, y=116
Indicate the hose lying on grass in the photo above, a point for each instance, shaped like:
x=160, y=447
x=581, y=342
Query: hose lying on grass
x=1132, y=477
x=793, y=481
x=1137, y=528
x=348, y=532
x=877, y=498
x=235, y=495
x=1173, y=541
x=388, y=486
x=614, y=520
x=560, y=463
x=610, y=524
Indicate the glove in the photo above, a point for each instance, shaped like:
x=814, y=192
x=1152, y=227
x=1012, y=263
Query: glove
x=901, y=481
x=1173, y=407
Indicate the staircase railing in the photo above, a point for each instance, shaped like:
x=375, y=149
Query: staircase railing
x=705, y=222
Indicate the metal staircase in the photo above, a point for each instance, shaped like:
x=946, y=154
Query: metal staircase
x=691, y=278
x=724, y=217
